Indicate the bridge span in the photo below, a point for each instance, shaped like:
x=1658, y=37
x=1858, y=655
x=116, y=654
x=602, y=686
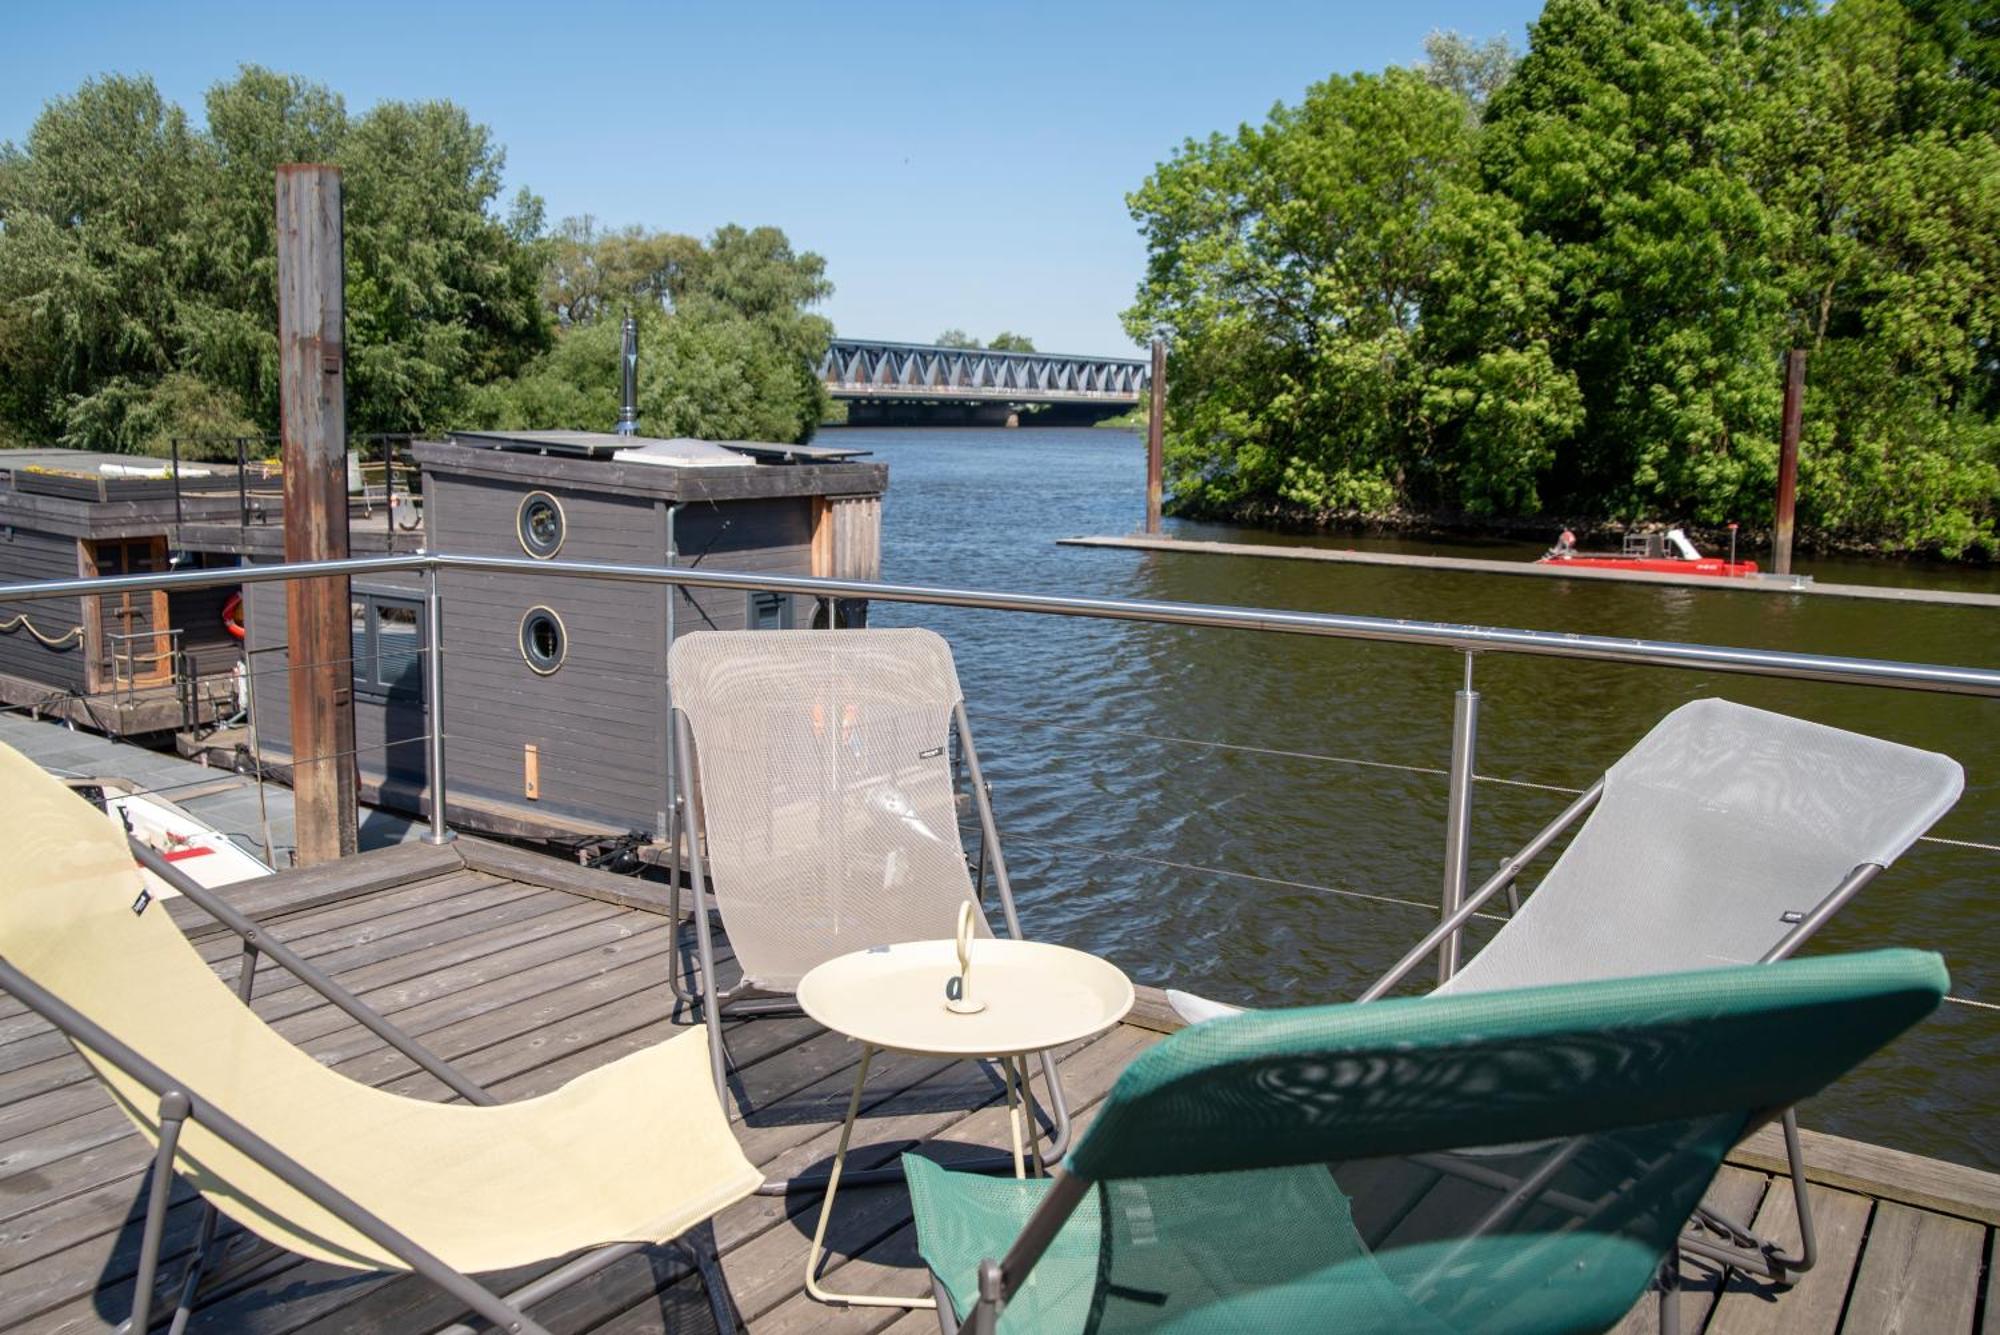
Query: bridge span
x=921, y=382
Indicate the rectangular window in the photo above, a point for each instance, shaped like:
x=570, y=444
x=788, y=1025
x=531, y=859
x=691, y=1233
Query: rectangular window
x=770, y=611
x=388, y=647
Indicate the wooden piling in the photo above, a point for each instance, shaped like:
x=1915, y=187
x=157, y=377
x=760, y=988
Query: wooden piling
x=1788, y=460
x=313, y=413
x=1155, y=436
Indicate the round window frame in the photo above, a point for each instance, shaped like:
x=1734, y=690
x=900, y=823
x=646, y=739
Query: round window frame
x=562, y=641
x=521, y=525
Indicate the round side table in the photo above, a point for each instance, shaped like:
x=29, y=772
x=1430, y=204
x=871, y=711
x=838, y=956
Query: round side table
x=1014, y=998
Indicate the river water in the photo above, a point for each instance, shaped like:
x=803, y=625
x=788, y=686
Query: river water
x=1268, y=870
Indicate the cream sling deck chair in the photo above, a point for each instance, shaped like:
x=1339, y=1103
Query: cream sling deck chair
x=1727, y=835
x=820, y=782
x=633, y=1154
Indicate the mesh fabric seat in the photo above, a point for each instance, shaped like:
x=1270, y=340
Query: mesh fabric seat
x=826, y=801
x=825, y=790
x=1715, y=835
x=1200, y=1198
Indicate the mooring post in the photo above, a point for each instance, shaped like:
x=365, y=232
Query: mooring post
x=1156, y=417
x=313, y=415
x=1788, y=459
x=1458, y=814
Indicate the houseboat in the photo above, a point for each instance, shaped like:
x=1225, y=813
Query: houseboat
x=134, y=664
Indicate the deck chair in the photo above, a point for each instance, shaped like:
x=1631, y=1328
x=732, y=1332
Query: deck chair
x=820, y=781
x=1200, y=1198
x=1727, y=835
x=633, y=1154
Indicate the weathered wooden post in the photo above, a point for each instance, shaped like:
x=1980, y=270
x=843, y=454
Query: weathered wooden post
x=1155, y=436
x=1788, y=460
x=313, y=417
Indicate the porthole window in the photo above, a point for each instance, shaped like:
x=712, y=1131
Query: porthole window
x=540, y=522
x=544, y=643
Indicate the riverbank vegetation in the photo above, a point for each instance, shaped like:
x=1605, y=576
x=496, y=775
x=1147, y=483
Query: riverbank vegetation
x=138, y=282
x=1482, y=289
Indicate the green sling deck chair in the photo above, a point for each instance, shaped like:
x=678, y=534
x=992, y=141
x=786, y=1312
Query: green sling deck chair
x=635, y=1153
x=1229, y=1182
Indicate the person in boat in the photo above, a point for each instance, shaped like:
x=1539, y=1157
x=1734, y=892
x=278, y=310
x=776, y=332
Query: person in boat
x=1565, y=547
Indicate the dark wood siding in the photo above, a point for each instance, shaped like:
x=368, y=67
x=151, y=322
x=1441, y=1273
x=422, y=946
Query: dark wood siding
x=28, y=555
x=597, y=723
x=388, y=734
x=197, y=614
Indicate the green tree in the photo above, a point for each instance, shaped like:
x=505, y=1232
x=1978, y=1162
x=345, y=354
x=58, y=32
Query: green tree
x=1622, y=139
x=1473, y=70
x=1879, y=156
x=1353, y=326
x=957, y=338
x=729, y=344
x=1008, y=341
x=104, y=249
x=442, y=293
x=138, y=262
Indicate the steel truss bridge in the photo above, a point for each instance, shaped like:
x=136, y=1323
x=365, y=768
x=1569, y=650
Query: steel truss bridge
x=868, y=371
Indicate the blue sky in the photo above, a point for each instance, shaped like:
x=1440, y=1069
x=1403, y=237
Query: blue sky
x=957, y=164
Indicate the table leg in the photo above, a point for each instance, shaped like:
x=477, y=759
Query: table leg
x=1031, y=1112
x=1007, y=1074
x=826, y=1210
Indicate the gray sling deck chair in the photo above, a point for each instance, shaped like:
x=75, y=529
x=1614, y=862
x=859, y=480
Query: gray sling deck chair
x=1726, y=835
x=634, y=1154
x=818, y=773
x=1199, y=1199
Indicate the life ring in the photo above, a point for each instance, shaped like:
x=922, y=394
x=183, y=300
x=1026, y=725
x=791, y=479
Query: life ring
x=232, y=615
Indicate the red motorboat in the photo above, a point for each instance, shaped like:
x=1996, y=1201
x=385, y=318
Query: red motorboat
x=1668, y=553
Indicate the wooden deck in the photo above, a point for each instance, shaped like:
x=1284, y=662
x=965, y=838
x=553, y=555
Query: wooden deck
x=525, y=972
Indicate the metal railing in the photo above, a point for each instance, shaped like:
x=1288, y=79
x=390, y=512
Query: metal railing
x=1469, y=641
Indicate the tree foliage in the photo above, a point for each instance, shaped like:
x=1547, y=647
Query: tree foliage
x=1004, y=341
x=138, y=281
x=1575, y=297
x=138, y=261
x=728, y=344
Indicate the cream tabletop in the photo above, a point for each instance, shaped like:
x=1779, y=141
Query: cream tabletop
x=1032, y=995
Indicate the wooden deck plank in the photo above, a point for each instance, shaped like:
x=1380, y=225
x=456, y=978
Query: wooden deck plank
x=1752, y=1305
x=105, y=1125
x=499, y=965
x=1853, y=1165
x=765, y=1239
x=110, y=1207
x=1919, y=1274
x=1736, y=1193
x=892, y=1264
x=61, y=1085
x=1989, y=1322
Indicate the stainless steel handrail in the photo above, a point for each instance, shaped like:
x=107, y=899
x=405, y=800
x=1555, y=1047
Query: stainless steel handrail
x=1467, y=640
x=1435, y=634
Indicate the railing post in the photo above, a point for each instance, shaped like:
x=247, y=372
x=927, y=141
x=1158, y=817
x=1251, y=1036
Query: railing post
x=434, y=702
x=1458, y=814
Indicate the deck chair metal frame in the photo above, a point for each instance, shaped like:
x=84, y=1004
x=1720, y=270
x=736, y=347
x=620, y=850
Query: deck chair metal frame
x=179, y=1104
x=746, y=1000
x=1714, y=1236
x=1740, y=1246
x=1069, y=1188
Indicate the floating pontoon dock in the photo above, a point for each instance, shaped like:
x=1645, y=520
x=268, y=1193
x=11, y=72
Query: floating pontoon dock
x=526, y=971
x=1554, y=570
x=225, y=799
